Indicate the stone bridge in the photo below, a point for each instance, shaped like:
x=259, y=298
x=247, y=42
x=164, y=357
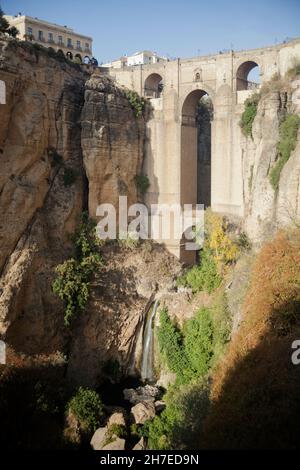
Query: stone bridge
x=172, y=157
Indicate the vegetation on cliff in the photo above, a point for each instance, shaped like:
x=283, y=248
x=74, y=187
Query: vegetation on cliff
x=5, y=28
x=253, y=400
x=72, y=282
x=219, y=251
x=87, y=407
x=255, y=392
x=136, y=101
x=249, y=114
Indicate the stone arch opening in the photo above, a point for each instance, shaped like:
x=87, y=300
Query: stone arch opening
x=153, y=86
x=86, y=60
x=2, y=92
x=248, y=76
x=61, y=52
x=69, y=55
x=78, y=57
x=197, y=115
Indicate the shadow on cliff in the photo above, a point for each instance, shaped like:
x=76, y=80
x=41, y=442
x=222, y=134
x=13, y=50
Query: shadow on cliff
x=258, y=405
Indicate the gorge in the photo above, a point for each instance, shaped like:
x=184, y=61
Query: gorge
x=72, y=137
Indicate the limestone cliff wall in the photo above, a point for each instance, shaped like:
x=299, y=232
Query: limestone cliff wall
x=57, y=120
x=112, y=143
x=39, y=140
x=266, y=210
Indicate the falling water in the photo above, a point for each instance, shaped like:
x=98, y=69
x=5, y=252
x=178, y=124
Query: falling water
x=147, y=359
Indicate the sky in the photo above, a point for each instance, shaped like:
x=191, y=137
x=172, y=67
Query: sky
x=172, y=28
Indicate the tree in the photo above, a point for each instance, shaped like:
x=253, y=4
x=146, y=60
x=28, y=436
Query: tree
x=13, y=32
x=4, y=26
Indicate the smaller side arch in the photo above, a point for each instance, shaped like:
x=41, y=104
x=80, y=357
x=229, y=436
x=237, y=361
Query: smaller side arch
x=86, y=60
x=69, y=55
x=2, y=92
x=243, y=81
x=153, y=86
x=78, y=58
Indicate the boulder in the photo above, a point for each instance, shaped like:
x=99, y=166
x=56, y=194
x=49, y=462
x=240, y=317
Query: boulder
x=117, y=418
x=115, y=444
x=99, y=438
x=141, y=394
x=143, y=411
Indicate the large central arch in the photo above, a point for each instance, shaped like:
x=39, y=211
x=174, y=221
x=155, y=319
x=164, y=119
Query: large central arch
x=195, y=162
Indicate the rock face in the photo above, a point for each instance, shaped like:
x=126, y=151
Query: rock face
x=55, y=117
x=112, y=323
x=265, y=209
x=59, y=120
x=39, y=141
x=112, y=143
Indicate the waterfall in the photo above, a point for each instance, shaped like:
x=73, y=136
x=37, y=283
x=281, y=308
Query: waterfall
x=147, y=358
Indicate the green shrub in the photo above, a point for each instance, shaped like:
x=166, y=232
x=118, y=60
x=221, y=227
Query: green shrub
x=288, y=132
x=203, y=277
x=249, y=114
x=198, y=342
x=188, y=353
x=180, y=423
x=87, y=406
x=170, y=340
x=140, y=430
x=70, y=176
x=73, y=276
x=136, y=101
x=142, y=183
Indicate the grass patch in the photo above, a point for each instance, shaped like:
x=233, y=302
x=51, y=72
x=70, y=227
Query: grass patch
x=249, y=114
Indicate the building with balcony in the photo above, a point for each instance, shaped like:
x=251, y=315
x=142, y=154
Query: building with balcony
x=139, y=58
x=63, y=38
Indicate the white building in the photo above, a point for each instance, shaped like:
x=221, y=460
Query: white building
x=47, y=34
x=144, y=58
x=139, y=58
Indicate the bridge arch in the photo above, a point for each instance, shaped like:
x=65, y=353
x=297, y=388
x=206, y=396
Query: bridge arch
x=247, y=75
x=195, y=162
x=2, y=92
x=153, y=85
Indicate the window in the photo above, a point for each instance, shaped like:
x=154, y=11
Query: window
x=29, y=31
x=69, y=42
x=78, y=44
x=87, y=46
x=41, y=37
x=50, y=37
x=60, y=41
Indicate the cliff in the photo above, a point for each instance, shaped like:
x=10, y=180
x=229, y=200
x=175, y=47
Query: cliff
x=268, y=208
x=68, y=142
